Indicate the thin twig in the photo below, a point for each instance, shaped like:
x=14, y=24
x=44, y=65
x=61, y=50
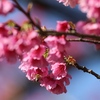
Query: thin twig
x=27, y=14
x=84, y=69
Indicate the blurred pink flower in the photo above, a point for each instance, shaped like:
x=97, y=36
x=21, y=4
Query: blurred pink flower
x=88, y=27
x=6, y=6
x=80, y=25
x=91, y=7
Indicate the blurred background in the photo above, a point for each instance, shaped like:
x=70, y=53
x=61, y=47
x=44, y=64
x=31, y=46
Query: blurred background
x=13, y=83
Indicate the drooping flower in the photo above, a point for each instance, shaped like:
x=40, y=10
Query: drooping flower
x=55, y=86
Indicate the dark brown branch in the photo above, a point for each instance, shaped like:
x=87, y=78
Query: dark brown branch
x=55, y=33
x=71, y=61
x=84, y=69
x=83, y=40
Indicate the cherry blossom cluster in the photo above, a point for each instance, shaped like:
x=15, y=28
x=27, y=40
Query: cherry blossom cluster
x=14, y=43
x=45, y=62
x=41, y=59
x=44, y=57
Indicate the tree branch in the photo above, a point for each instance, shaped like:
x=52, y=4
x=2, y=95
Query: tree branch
x=70, y=61
x=76, y=34
x=83, y=40
x=84, y=69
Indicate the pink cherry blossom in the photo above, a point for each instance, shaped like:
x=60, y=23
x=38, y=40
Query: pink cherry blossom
x=57, y=48
x=32, y=59
x=34, y=64
x=88, y=27
x=55, y=56
x=6, y=6
x=36, y=73
x=80, y=25
x=91, y=7
x=48, y=82
x=62, y=26
x=37, y=52
x=55, y=86
x=61, y=86
x=9, y=51
x=72, y=3
x=59, y=43
x=26, y=41
x=59, y=70
x=10, y=55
